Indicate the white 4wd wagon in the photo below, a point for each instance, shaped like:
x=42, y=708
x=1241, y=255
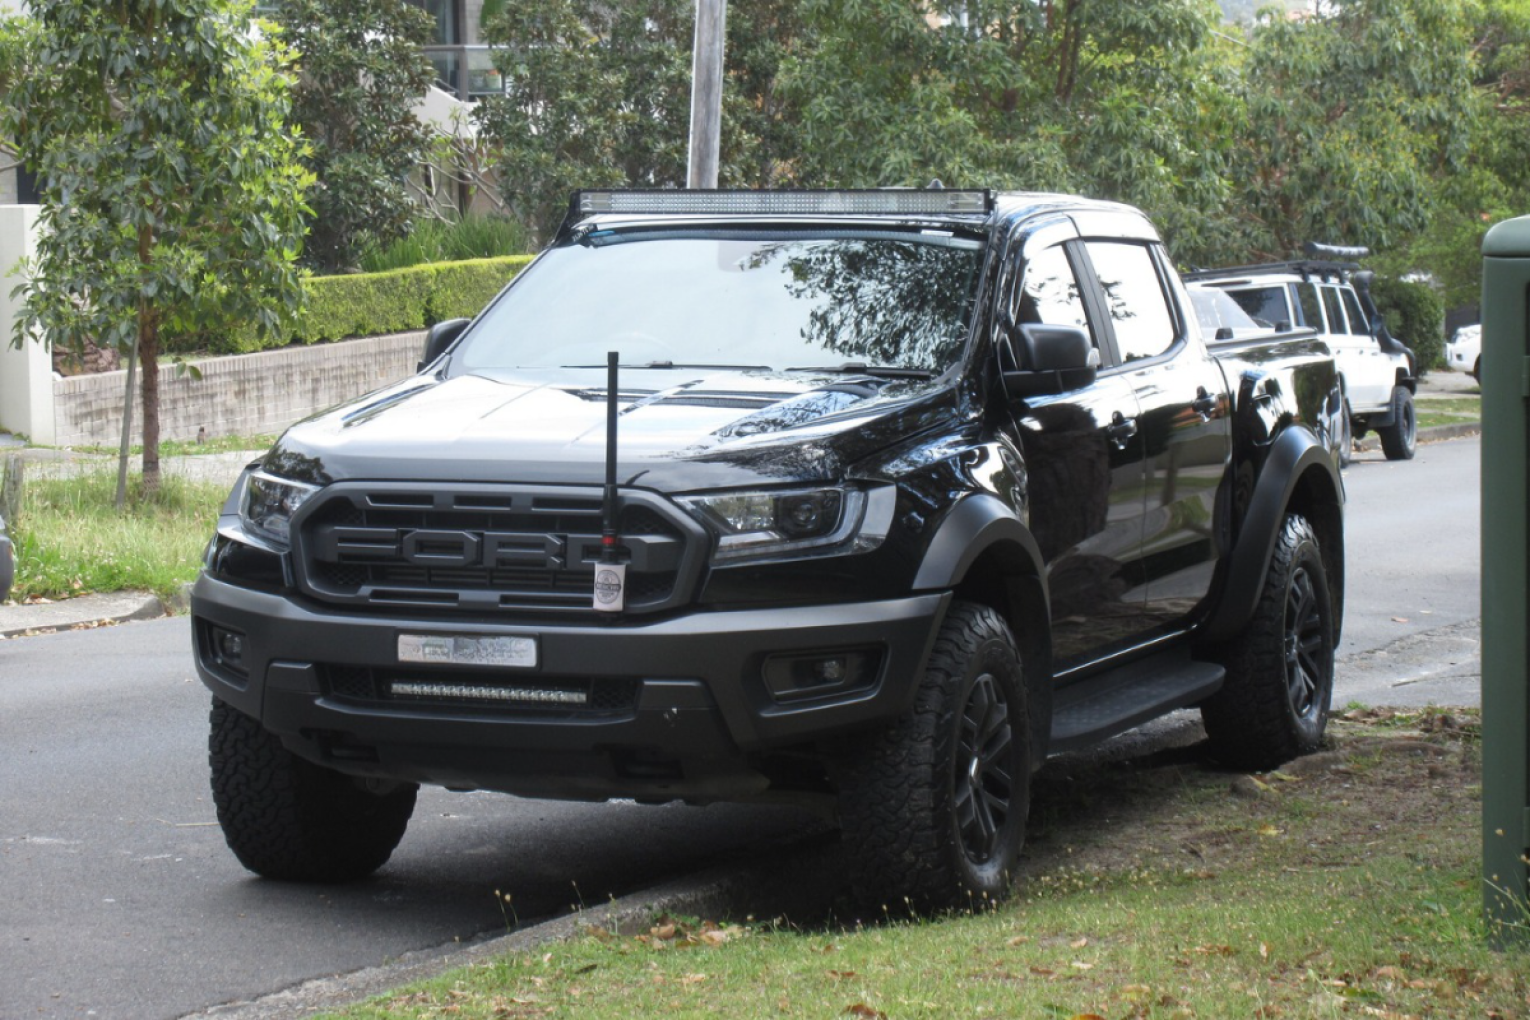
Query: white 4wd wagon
x=1376, y=371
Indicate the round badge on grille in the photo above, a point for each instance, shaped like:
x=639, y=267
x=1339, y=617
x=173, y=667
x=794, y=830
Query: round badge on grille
x=610, y=586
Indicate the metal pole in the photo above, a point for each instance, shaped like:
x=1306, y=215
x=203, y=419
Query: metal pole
x=1505, y=569
x=706, y=93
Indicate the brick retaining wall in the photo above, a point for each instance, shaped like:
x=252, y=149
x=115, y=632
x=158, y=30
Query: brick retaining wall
x=244, y=394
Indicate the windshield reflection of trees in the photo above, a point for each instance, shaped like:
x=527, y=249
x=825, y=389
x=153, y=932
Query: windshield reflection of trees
x=889, y=303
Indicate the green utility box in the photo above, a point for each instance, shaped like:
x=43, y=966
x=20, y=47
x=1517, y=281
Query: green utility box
x=1505, y=567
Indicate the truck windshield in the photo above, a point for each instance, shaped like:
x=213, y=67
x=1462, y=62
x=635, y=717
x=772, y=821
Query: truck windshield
x=882, y=300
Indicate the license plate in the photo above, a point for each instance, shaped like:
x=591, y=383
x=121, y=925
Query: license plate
x=459, y=650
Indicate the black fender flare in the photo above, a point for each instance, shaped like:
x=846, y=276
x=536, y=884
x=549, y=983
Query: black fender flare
x=983, y=526
x=1294, y=453
x=976, y=525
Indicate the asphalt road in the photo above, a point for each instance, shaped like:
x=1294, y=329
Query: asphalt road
x=118, y=898
x=1414, y=605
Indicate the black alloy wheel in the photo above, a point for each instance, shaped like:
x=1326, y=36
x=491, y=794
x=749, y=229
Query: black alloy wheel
x=985, y=783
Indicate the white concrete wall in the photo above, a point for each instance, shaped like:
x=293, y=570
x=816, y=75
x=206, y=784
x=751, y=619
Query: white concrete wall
x=26, y=374
x=244, y=395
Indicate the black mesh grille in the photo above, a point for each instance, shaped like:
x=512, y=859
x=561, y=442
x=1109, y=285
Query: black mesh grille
x=582, y=696
x=488, y=549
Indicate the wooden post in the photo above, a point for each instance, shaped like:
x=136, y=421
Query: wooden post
x=706, y=93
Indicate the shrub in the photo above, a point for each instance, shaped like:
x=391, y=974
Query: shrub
x=478, y=237
x=1415, y=315
x=369, y=304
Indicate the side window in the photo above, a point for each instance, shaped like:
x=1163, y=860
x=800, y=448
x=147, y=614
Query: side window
x=1139, y=310
x=1311, y=306
x=1334, y=309
x=1357, y=322
x=1050, y=292
x=1265, y=305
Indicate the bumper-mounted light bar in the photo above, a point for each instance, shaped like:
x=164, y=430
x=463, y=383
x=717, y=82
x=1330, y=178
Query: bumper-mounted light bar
x=859, y=202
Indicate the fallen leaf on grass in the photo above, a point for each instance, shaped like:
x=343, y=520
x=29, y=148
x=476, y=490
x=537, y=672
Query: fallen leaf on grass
x=1078, y=943
x=1081, y=965
x=1269, y=830
x=861, y=1009
x=842, y=974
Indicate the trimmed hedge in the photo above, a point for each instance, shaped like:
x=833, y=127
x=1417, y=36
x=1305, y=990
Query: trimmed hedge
x=1415, y=315
x=370, y=304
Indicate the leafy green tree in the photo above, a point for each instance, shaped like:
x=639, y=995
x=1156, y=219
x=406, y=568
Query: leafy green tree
x=1353, y=123
x=598, y=94
x=172, y=193
x=360, y=73
x=595, y=94
x=1125, y=101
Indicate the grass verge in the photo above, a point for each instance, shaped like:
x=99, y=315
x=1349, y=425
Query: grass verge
x=70, y=539
x=1434, y=411
x=1345, y=886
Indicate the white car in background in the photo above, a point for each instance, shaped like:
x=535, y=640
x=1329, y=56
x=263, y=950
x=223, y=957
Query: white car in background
x=1377, y=374
x=1463, y=352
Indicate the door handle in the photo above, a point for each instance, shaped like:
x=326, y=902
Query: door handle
x=1205, y=404
x=1121, y=430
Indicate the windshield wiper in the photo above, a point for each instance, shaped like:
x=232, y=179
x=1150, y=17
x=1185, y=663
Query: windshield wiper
x=860, y=368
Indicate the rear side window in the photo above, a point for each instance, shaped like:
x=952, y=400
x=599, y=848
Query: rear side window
x=1334, y=309
x=1139, y=309
x=1265, y=305
x=1311, y=306
x=1357, y=323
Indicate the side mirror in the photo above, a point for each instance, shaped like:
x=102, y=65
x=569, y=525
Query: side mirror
x=1283, y=326
x=441, y=336
x=1055, y=359
x=1224, y=333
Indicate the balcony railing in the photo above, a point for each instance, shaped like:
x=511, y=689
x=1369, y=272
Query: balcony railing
x=467, y=72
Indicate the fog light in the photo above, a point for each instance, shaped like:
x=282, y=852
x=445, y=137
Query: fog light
x=226, y=649
x=818, y=674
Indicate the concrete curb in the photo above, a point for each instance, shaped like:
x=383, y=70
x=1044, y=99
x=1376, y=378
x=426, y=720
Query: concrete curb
x=85, y=612
x=798, y=877
x=1429, y=435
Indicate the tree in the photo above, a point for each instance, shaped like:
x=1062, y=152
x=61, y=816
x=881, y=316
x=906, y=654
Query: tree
x=598, y=94
x=1352, y=124
x=1124, y=101
x=360, y=73
x=172, y=195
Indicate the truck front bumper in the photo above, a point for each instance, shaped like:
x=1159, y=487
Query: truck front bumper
x=698, y=697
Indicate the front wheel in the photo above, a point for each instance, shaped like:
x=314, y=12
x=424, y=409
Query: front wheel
x=288, y=818
x=934, y=807
x=1399, y=440
x=1274, y=704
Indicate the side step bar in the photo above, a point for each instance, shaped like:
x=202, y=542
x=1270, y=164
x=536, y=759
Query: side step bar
x=1115, y=701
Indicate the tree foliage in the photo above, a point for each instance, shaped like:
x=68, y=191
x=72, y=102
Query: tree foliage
x=172, y=195
x=360, y=73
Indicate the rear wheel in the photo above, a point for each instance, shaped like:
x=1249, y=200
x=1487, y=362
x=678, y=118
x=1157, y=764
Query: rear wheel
x=288, y=818
x=1346, y=436
x=1400, y=439
x=1274, y=704
x=934, y=807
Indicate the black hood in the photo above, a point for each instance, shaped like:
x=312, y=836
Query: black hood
x=679, y=429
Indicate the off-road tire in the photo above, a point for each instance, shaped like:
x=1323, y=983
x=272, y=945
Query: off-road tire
x=287, y=818
x=1274, y=704
x=1399, y=440
x=934, y=807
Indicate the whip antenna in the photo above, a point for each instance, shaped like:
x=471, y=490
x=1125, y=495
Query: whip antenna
x=610, y=574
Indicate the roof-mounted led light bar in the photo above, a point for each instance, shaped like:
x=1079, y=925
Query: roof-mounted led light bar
x=871, y=202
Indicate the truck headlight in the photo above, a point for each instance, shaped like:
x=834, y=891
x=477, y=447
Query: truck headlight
x=268, y=504
x=792, y=523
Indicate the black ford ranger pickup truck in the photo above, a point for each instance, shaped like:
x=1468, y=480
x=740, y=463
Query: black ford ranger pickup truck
x=886, y=497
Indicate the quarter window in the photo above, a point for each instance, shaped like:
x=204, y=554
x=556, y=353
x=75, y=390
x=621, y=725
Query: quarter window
x=1335, y=310
x=1357, y=323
